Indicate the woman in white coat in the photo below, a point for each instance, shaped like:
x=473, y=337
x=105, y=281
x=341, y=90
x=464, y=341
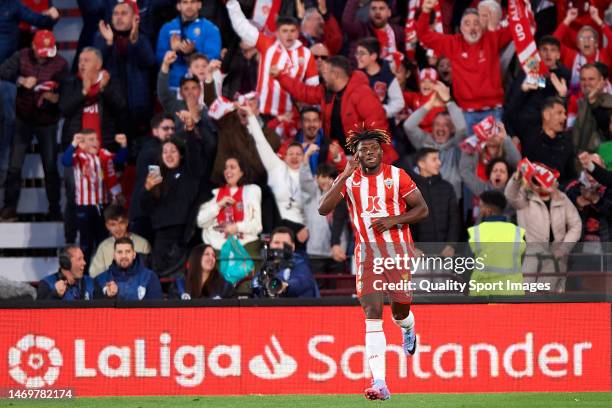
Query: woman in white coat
x=235, y=209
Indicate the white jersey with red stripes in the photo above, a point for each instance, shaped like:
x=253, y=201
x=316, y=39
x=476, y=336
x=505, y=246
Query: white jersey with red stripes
x=297, y=61
x=374, y=196
x=91, y=177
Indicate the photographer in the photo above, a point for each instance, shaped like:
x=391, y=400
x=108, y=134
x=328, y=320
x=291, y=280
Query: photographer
x=285, y=273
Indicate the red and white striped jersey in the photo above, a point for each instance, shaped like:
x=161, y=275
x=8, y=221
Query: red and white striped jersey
x=297, y=61
x=94, y=177
x=373, y=196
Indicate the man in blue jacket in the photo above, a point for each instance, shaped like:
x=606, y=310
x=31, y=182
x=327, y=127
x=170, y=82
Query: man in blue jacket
x=69, y=283
x=297, y=279
x=127, y=278
x=185, y=35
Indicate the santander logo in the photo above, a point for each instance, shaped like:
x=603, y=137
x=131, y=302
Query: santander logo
x=278, y=365
x=34, y=361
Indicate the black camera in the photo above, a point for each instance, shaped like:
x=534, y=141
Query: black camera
x=269, y=279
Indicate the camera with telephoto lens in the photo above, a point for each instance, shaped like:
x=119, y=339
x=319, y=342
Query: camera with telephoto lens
x=269, y=279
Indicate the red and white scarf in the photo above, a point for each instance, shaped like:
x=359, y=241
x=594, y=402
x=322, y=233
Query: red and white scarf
x=264, y=15
x=579, y=61
x=237, y=209
x=410, y=28
x=386, y=38
x=522, y=34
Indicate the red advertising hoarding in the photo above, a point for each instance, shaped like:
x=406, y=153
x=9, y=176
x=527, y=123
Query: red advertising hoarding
x=303, y=350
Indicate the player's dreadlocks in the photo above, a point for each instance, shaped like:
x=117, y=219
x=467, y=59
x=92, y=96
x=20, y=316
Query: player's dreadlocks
x=361, y=132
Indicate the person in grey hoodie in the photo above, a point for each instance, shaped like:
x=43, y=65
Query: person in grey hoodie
x=448, y=130
x=327, y=244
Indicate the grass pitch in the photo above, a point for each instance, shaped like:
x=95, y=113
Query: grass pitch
x=505, y=400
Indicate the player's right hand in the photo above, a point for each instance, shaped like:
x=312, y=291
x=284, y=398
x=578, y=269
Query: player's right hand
x=351, y=165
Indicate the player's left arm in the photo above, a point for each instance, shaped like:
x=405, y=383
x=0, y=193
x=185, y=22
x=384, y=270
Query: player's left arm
x=417, y=210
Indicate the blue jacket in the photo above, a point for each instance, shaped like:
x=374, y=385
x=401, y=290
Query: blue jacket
x=205, y=35
x=132, y=71
x=319, y=156
x=299, y=277
x=83, y=290
x=135, y=283
x=12, y=12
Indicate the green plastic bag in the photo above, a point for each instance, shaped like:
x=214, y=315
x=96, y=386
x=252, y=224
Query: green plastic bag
x=605, y=151
x=235, y=263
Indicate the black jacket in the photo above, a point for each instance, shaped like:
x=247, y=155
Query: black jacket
x=149, y=155
x=523, y=110
x=557, y=153
x=442, y=223
x=171, y=203
x=111, y=105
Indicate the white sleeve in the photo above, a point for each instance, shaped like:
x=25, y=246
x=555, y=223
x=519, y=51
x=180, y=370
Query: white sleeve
x=396, y=100
x=243, y=27
x=252, y=211
x=269, y=159
x=208, y=211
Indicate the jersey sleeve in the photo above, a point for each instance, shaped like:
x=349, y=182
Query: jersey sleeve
x=263, y=43
x=406, y=184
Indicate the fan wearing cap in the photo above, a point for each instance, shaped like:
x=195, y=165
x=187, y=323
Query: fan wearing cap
x=428, y=77
x=129, y=58
x=37, y=71
x=551, y=222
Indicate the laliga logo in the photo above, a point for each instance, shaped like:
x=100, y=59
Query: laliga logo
x=280, y=365
x=40, y=351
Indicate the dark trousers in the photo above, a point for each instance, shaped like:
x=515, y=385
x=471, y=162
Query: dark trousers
x=47, y=144
x=90, y=224
x=70, y=223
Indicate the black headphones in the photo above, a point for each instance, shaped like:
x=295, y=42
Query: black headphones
x=64, y=258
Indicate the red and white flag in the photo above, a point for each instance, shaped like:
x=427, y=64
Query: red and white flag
x=264, y=15
x=410, y=28
x=522, y=33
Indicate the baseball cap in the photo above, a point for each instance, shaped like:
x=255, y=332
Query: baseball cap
x=189, y=77
x=428, y=73
x=44, y=44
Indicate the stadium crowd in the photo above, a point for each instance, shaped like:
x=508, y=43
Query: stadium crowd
x=195, y=131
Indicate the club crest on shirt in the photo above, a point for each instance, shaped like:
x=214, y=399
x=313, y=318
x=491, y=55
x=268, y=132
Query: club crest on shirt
x=197, y=31
x=388, y=183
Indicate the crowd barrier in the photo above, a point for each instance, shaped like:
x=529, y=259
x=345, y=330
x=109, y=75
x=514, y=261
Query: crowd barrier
x=302, y=347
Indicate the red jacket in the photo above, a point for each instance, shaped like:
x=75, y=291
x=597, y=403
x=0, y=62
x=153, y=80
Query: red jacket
x=359, y=105
x=477, y=81
x=564, y=34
